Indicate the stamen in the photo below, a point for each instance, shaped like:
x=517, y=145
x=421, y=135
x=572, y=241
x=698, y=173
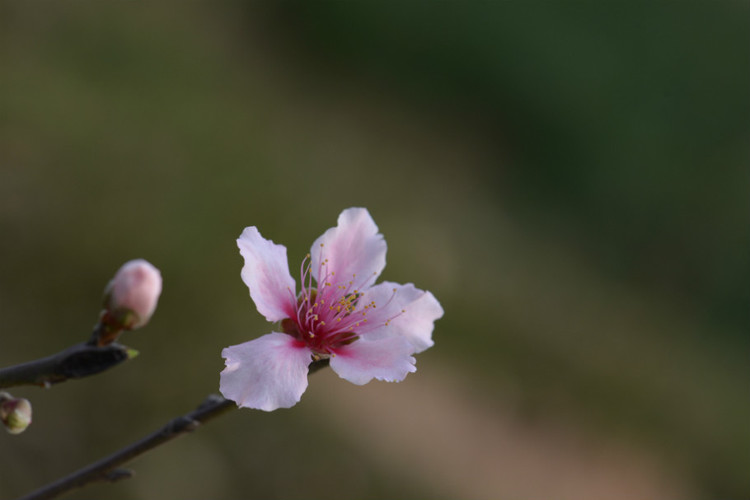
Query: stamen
x=388, y=321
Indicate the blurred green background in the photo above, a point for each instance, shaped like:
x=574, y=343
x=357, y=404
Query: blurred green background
x=570, y=180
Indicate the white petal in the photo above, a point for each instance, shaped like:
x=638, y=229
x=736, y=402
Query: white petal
x=354, y=247
x=266, y=273
x=415, y=324
x=388, y=359
x=267, y=373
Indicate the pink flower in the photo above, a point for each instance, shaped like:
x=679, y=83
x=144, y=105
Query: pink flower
x=366, y=330
x=131, y=296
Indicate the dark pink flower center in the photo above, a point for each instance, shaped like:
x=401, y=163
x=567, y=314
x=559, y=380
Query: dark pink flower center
x=329, y=315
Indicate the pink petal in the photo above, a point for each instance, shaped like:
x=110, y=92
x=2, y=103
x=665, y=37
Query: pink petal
x=388, y=359
x=354, y=247
x=415, y=324
x=136, y=287
x=267, y=373
x=266, y=273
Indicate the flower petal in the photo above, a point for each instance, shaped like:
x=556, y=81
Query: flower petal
x=267, y=373
x=134, y=289
x=388, y=359
x=266, y=274
x=353, y=247
x=415, y=324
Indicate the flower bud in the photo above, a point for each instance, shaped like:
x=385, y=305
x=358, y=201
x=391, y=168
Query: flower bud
x=15, y=413
x=130, y=298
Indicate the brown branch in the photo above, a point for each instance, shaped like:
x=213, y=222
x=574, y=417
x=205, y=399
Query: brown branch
x=77, y=361
x=107, y=469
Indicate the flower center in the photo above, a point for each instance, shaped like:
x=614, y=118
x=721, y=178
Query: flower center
x=330, y=314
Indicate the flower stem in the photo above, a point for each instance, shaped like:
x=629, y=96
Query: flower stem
x=77, y=361
x=107, y=469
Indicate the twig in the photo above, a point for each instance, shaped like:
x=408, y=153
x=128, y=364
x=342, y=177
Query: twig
x=107, y=469
x=80, y=360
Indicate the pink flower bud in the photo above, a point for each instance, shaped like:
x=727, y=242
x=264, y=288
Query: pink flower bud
x=15, y=413
x=131, y=296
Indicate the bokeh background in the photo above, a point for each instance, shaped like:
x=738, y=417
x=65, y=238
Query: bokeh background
x=570, y=180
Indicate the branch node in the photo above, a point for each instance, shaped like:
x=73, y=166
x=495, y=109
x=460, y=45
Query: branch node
x=211, y=400
x=117, y=475
x=183, y=424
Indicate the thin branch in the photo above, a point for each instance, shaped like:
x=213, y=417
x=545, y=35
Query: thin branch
x=107, y=469
x=77, y=361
